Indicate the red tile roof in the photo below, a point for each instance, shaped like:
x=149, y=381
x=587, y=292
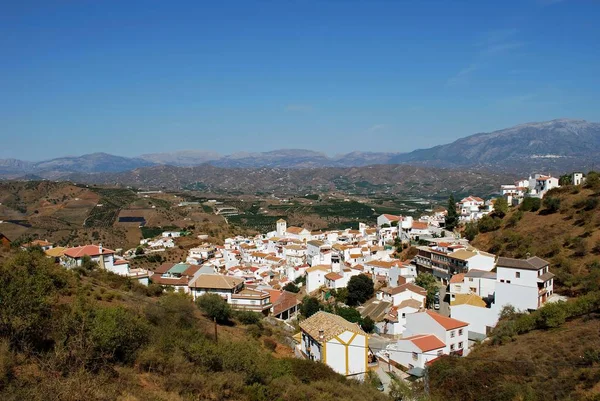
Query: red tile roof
x=457, y=278
x=447, y=322
x=417, y=225
x=89, y=250
x=165, y=267
x=333, y=276
x=426, y=342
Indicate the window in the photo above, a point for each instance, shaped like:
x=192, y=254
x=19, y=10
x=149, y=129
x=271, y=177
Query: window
x=518, y=275
x=452, y=334
x=460, y=345
x=403, y=315
x=451, y=347
x=440, y=352
x=507, y=281
x=415, y=356
x=411, y=366
x=470, y=279
x=501, y=281
x=460, y=331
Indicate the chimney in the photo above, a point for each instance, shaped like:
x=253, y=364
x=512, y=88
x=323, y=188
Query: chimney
x=321, y=335
x=100, y=248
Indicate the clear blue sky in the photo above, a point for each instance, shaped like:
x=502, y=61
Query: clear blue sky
x=133, y=77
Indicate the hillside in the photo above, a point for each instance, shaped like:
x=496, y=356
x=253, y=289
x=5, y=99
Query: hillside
x=390, y=179
x=550, y=146
x=90, y=335
x=568, y=237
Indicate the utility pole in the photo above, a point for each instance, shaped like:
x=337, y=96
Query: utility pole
x=216, y=334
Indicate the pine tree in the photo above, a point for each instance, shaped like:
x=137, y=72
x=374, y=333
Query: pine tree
x=452, y=216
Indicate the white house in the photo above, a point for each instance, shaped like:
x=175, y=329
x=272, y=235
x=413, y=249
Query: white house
x=73, y=257
x=401, y=272
x=577, y=178
x=334, y=341
x=251, y=300
x=454, y=333
x=171, y=234
x=415, y=351
x=121, y=267
x=388, y=219
x=404, y=292
x=525, y=284
x=539, y=184
x=315, y=277
x=481, y=283
x=335, y=280
x=225, y=286
x=472, y=309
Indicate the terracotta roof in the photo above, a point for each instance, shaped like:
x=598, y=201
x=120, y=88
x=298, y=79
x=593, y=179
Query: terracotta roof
x=285, y=301
x=392, y=217
x=247, y=293
x=426, y=342
x=533, y=263
x=324, y=268
x=405, y=287
x=316, y=243
x=446, y=322
x=89, y=250
x=37, y=242
x=216, y=281
x=410, y=303
x=334, y=276
x=295, y=230
x=380, y=263
x=281, y=221
x=331, y=325
x=159, y=279
x=165, y=267
x=457, y=278
x=419, y=226
x=462, y=254
x=274, y=294
x=190, y=271
x=120, y=262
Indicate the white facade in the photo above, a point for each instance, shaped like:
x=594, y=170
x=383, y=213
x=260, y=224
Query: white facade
x=454, y=338
x=481, y=320
x=315, y=277
x=406, y=353
x=526, y=287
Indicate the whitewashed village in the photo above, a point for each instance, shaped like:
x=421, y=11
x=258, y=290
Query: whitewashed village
x=443, y=300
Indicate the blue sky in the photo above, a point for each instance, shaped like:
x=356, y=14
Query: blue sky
x=128, y=77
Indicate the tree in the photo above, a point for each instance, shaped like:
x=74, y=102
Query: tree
x=531, y=204
x=368, y=324
x=451, y=220
x=88, y=264
x=360, y=289
x=500, y=207
x=551, y=204
x=488, y=223
x=300, y=280
x=429, y=283
x=341, y=294
x=566, y=179
x=592, y=180
x=350, y=314
x=309, y=306
x=139, y=250
x=471, y=230
x=291, y=287
x=215, y=307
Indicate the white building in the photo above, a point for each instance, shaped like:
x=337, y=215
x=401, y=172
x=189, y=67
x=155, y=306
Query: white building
x=334, y=341
x=404, y=292
x=415, y=351
x=73, y=257
x=225, y=286
x=451, y=331
x=577, y=178
x=472, y=309
x=315, y=277
x=525, y=284
x=481, y=283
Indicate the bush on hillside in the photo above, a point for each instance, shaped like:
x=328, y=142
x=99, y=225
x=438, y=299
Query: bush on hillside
x=214, y=307
x=551, y=204
x=247, y=317
x=531, y=204
x=488, y=223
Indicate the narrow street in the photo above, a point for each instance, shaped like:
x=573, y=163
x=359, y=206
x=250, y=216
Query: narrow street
x=444, y=302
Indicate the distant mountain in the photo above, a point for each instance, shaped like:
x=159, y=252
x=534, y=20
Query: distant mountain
x=554, y=145
x=381, y=179
x=59, y=167
x=181, y=158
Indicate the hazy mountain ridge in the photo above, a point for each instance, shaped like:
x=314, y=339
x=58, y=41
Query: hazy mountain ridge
x=553, y=146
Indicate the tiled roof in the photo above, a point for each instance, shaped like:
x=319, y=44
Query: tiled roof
x=419, y=226
x=89, y=250
x=410, y=303
x=392, y=217
x=533, y=263
x=165, y=267
x=158, y=279
x=285, y=301
x=474, y=273
x=56, y=251
x=381, y=263
x=329, y=324
x=468, y=299
x=375, y=309
x=324, y=268
x=295, y=230
x=426, y=342
x=457, y=278
x=120, y=262
x=333, y=276
x=216, y=281
x=404, y=287
x=446, y=322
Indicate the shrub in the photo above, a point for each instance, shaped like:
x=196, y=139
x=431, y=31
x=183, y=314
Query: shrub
x=531, y=204
x=255, y=330
x=309, y=306
x=270, y=344
x=591, y=204
x=368, y=324
x=360, y=289
x=551, y=204
x=552, y=315
x=350, y=314
x=488, y=223
x=248, y=317
x=291, y=287
x=515, y=218
x=215, y=307
x=580, y=245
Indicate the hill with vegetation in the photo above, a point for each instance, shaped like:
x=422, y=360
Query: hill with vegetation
x=92, y=335
x=552, y=353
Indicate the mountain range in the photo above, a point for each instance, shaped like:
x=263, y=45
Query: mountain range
x=552, y=146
